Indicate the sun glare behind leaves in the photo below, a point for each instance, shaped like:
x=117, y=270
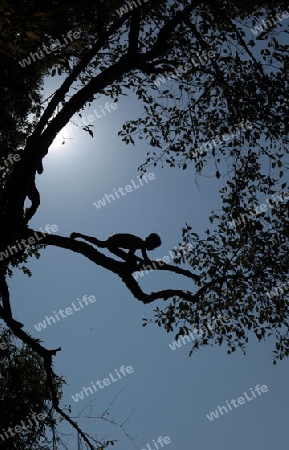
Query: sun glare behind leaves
x=61, y=139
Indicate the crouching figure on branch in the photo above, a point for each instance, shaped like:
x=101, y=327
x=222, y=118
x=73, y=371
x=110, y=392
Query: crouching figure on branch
x=125, y=241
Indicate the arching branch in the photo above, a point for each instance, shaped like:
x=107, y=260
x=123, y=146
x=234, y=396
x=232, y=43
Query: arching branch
x=123, y=269
x=39, y=142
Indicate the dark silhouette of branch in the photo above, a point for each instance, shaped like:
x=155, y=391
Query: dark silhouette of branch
x=59, y=95
x=35, y=346
x=218, y=72
x=23, y=174
x=126, y=269
x=133, y=36
x=123, y=269
x=5, y=310
x=106, y=413
x=164, y=266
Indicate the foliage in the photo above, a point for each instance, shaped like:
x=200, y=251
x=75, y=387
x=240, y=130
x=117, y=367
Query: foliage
x=24, y=391
x=233, y=266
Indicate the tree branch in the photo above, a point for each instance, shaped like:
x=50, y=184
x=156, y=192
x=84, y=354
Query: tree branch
x=218, y=73
x=23, y=173
x=47, y=355
x=123, y=269
x=133, y=36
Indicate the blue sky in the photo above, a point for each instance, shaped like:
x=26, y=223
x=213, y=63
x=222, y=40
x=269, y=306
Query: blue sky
x=169, y=392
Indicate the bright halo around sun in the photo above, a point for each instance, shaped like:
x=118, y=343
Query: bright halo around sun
x=61, y=139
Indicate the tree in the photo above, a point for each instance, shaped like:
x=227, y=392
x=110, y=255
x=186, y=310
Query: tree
x=230, y=90
x=25, y=394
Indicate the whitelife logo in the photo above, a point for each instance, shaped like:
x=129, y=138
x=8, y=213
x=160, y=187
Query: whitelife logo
x=68, y=311
x=159, y=261
x=129, y=6
x=183, y=69
x=161, y=441
x=10, y=160
x=20, y=428
x=128, y=188
x=275, y=291
x=53, y=47
x=262, y=208
x=31, y=241
x=202, y=150
x=86, y=121
x=203, y=330
x=106, y=381
x=241, y=401
x=259, y=28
